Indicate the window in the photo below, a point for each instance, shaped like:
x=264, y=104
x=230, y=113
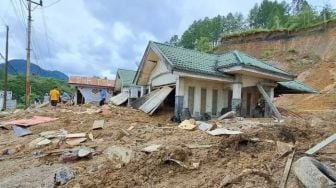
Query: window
x=214, y=101
x=203, y=100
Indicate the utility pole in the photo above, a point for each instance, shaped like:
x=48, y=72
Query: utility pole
x=27, y=99
x=6, y=72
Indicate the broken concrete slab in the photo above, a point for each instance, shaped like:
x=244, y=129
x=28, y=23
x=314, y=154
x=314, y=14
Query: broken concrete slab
x=196, y=146
x=230, y=114
x=188, y=124
x=49, y=134
x=75, y=141
x=321, y=145
x=69, y=156
x=314, y=174
x=203, y=126
x=20, y=131
x=151, y=148
x=39, y=142
x=123, y=154
x=98, y=124
x=63, y=175
x=85, y=151
x=43, y=142
x=222, y=131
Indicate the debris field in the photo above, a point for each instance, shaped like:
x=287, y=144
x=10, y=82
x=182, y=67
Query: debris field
x=89, y=146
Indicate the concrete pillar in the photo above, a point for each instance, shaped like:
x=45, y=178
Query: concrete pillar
x=179, y=96
x=142, y=91
x=236, y=94
x=197, y=101
x=270, y=93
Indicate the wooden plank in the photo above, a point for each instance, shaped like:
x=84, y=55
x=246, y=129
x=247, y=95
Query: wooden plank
x=287, y=170
x=269, y=102
x=76, y=135
x=321, y=145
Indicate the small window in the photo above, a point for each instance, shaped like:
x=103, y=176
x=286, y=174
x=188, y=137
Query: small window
x=203, y=100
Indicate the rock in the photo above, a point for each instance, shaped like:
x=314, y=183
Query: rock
x=43, y=142
x=85, y=151
x=151, y=148
x=187, y=124
x=204, y=126
x=314, y=174
x=63, y=175
x=69, y=156
x=75, y=141
x=121, y=153
x=283, y=148
x=38, y=142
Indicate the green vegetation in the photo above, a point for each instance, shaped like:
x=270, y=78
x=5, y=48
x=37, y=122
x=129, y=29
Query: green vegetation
x=267, y=16
x=39, y=86
x=267, y=54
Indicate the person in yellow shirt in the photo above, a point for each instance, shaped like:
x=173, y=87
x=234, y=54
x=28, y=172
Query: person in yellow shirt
x=54, y=97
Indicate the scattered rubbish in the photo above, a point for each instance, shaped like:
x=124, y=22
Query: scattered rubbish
x=97, y=124
x=85, y=151
x=222, y=131
x=43, y=142
x=237, y=178
x=39, y=142
x=76, y=135
x=151, y=148
x=193, y=166
x=321, y=145
x=187, y=124
x=283, y=148
x=20, y=131
x=125, y=132
x=130, y=128
x=195, y=146
x=69, y=156
x=287, y=170
x=230, y=114
x=313, y=173
x=63, y=175
x=205, y=117
x=29, y=122
x=6, y=127
x=120, y=153
x=75, y=141
x=91, y=136
x=49, y=134
x=204, y=126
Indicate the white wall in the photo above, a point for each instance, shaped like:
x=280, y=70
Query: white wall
x=248, y=81
x=166, y=77
x=222, y=101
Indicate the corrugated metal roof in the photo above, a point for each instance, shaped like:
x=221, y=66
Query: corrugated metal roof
x=296, y=87
x=81, y=80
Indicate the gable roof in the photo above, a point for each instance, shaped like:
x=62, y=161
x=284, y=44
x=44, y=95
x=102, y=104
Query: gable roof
x=126, y=76
x=294, y=87
x=199, y=62
x=81, y=80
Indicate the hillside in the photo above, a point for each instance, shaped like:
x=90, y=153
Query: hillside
x=18, y=66
x=307, y=52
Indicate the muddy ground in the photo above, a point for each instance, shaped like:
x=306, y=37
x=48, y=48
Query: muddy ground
x=227, y=156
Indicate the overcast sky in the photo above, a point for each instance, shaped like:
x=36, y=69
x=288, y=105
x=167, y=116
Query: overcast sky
x=95, y=37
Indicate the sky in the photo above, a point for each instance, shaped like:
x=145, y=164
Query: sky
x=96, y=37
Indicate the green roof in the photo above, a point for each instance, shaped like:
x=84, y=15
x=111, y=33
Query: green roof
x=296, y=87
x=205, y=63
x=126, y=77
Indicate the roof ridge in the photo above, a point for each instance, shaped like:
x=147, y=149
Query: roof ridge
x=180, y=47
x=126, y=69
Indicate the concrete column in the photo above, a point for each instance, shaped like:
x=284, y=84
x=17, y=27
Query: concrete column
x=197, y=101
x=208, y=105
x=236, y=94
x=142, y=91
x=270, y=93
x=179, y=96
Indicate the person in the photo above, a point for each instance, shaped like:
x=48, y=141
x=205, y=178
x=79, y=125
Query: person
x=102, y=97
x=54, y=97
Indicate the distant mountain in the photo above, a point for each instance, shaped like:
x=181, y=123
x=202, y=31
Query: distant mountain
x=18, y=66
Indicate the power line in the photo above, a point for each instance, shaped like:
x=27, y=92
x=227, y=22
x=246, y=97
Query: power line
x=52, y=4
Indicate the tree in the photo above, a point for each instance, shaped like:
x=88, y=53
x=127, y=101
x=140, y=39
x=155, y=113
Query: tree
x=174, y=40
x=327, y=13
x=306, y=17
x=203, y=44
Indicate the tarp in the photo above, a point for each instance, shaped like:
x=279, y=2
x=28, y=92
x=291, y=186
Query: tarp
x=293, y=87
x=28, y=122
x=119, y=99
x=154, y=101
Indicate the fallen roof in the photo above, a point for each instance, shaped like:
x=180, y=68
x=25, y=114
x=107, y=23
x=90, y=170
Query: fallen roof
x=199, y=62
x=293, y=87
x=126, y=76
x=81, y=80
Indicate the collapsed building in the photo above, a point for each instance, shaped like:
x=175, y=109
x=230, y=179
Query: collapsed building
x=211, y=84
x=88, y=89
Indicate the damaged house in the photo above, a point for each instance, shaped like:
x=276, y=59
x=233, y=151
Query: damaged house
x=210, y=84
x=87, y=89
x=124, y=86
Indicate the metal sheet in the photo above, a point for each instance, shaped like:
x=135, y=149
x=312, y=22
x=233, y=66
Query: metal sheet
x=119, y=99
x=154, y=101
x=20, y=131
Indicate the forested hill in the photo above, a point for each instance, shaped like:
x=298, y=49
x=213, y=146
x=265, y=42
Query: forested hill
x=18, y=67
x=204, y=34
